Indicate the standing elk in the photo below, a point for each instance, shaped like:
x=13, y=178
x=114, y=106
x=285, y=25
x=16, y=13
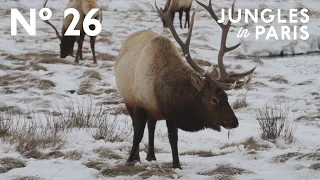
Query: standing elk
x=67, y=42
x=178, y=6
x=156, y=83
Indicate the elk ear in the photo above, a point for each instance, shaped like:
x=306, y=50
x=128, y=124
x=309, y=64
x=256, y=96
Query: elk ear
x=196, y=81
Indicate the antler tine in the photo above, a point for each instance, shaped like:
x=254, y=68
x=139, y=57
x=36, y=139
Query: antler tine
x=225, y=77
x=47, y=21
x=184, y=46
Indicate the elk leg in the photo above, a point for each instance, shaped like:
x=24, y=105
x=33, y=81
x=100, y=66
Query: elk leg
x=151, y=128
x=82, y=39
x=79, y=51
x=180, y=17
x=130, y=111
x=172, y=16
x=173, y=139
x=187, y=18
x=92, y=43
x=139, y=123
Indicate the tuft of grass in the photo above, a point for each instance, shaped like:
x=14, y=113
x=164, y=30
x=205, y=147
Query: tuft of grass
x=98, y=165
x=305, y=83
x=107, y=153
x=202, y=62
x=249, y=144
x=46, y=84
x=29, y=178
x=315, y=166
x=274, y=123
x=203, y=153
x=85, y=88
x=54, y=61
x=240, y=102
x=308, y=117
x=314, y=156
x=29, y=132
x=110, y=91
x=122, y=170
x=73, y=155
x=285, y=157
x=106, y=56
x=225, y=172
x=92, y=74
x=9, y=163
x=279, y=79
x=4, y=67
x=93, y=118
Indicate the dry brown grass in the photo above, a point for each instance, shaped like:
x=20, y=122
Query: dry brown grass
x=29, y=178
x=72, y=155
x=203, y=153
x=110, y=91
x=249, y=144
x=106, y=56
x=92, y=74
x=8, y=163
x=274, y=123
x=98, y=165
x=54, y=61
x=37, y=56
x=107, y=153
x=4, y=67
x=23, y=81
x=122, y=170
x=311, y=117
x=240, y=102
x=46, y=84
x=314, y=156
x=32, y=66
x=315, y=166
x=86, y=88
x=285, y=157
x=305, y=83
x=202, y=62
x=94, y=118
x=225, y=172
x=28, y=133
x=279, y=79
x=142, y=171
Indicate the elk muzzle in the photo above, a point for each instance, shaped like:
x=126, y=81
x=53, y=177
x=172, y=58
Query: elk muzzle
x=230, y=122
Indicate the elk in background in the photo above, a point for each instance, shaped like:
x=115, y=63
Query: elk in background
x=156, y=83
x=178, y=6
x=67, y=42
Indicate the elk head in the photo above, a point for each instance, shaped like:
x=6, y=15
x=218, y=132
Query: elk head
x=212, y=83
x=163, y=21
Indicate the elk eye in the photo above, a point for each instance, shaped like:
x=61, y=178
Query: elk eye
x=215, y=101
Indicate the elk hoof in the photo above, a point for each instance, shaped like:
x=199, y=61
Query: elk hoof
x=176, y=165
x=151, y=158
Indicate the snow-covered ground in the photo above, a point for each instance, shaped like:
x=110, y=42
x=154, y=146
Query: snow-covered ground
x=293, y=80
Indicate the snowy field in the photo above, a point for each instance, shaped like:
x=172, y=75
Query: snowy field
x=35, y=89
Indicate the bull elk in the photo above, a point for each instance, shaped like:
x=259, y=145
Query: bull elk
x=156, y=83
x=67, y=42
x=178, y=6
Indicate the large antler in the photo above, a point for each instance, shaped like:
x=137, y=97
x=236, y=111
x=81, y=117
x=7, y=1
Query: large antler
x=47, y=21
x=223, y=75
x=184, y=46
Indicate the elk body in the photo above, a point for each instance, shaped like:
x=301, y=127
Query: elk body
x=67, y=42
x=157, y=83
x=178, y=6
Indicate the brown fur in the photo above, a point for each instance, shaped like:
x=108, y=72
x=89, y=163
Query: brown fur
x=156, y=83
